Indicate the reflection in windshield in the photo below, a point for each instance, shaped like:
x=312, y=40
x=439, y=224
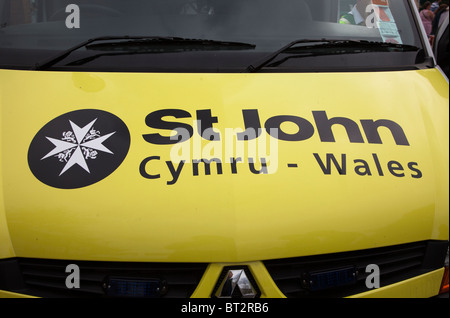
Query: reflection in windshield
x=198, y=7
x=358, y=14
x=53, y=25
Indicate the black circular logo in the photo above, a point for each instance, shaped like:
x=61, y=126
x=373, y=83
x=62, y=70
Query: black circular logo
x=78, y=149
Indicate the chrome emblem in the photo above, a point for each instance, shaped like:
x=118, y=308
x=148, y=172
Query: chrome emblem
x=236, y=284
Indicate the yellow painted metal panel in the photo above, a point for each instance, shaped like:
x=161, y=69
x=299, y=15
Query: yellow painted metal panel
x=232, y=217
x=6, y=294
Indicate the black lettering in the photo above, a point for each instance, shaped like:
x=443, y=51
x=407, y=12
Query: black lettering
x=263, y=169
x=364, y=169
x=195, y=164
x=175, y=173
x=154, y=120
x=377, y=164
x=373, y=137
x=143, y=165
x=206, y=124
x=394, y=166
x=418, y=174
x=252, y=125
x=341, y=168
x=306, y=129
x=234, y=162
x=324, y=126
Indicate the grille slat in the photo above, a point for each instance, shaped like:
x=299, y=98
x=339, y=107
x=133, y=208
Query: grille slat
x=346, y=256
x=57, y=286
x=47, y=276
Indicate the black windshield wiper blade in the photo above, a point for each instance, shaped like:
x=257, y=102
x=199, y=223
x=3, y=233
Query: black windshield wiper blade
x=326, y=43
x=134, y=40
x=43, y=65
x=169, y=43
x=110, y=50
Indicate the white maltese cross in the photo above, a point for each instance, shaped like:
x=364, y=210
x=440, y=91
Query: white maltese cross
x=80, y=143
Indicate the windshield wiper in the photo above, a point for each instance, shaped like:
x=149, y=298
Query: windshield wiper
x=172, y=43
x=137, y=43
x=366, y=46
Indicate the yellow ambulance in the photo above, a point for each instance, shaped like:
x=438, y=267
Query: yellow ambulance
x=222, y=149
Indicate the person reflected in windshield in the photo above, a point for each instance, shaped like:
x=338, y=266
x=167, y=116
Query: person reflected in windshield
x=427, y=17
x=358, y=14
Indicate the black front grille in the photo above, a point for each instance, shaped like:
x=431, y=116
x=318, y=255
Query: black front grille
x=396, y=263
x=47, y=278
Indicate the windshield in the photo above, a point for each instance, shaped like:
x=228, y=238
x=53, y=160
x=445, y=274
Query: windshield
x=234, y=34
